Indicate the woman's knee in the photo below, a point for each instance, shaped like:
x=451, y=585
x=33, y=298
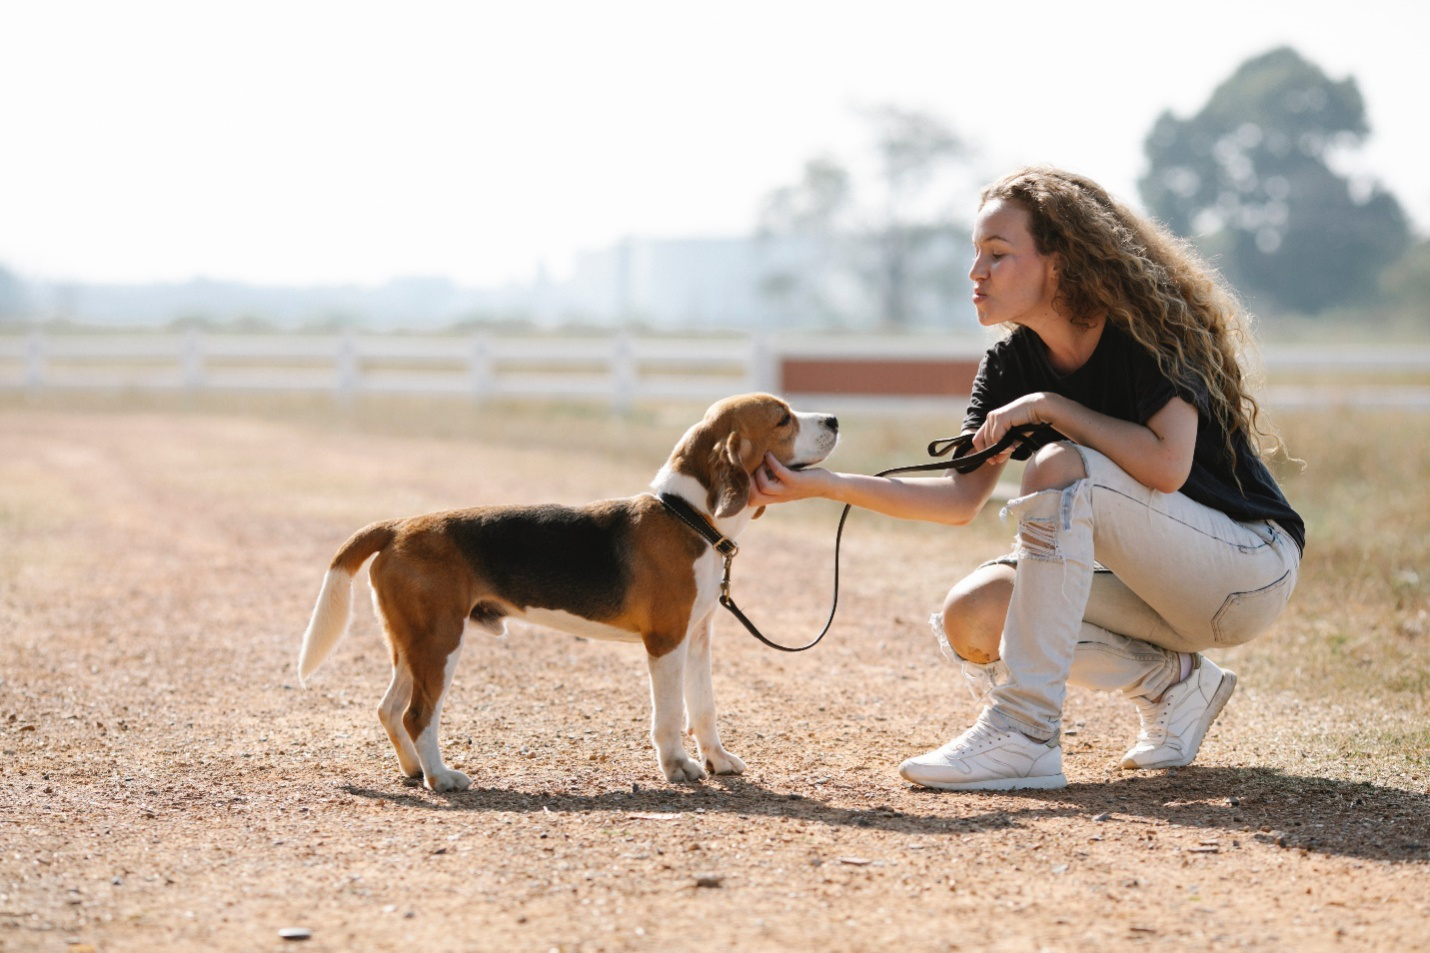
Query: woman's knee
x=1053, y=467
x=974, y=612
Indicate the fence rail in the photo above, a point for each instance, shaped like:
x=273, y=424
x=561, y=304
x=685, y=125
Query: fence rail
x=618, y=368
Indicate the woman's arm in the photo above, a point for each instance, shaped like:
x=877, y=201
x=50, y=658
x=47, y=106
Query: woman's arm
x=954, y=498
x=1157, y=454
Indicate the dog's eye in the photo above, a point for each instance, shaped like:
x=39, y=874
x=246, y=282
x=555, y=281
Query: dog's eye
x=785, y=420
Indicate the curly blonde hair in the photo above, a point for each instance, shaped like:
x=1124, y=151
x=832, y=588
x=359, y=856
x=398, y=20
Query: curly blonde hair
x=1147, y=282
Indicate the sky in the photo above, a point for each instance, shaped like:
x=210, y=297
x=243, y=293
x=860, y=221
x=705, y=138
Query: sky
x=299, y=143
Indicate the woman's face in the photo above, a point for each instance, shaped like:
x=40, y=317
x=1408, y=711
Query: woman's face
x=1012, y=282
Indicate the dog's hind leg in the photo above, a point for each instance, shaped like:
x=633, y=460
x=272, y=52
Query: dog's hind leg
x=667, y=673
x=389, y=712
x=432, y=660
x=399, y=690
x=700, y=702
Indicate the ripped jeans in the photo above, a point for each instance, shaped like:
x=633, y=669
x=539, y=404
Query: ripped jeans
x=1183, y=577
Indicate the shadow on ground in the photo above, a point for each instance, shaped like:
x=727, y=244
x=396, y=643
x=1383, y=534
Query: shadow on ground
x=1353, y=819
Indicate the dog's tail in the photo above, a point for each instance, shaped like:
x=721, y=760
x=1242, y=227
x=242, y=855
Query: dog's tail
x=330, y=615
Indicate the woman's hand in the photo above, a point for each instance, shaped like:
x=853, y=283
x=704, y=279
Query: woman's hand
x=1039, y=408
x=776, y=483
x=1157, y=454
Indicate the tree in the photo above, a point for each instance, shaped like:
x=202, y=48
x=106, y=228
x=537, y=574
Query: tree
x=1252, y=178
x=1406, y=285
x=806, y=217
x=889, y=245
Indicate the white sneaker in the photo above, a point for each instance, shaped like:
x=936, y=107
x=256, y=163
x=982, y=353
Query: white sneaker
x=1173, y=729
x=988, y=758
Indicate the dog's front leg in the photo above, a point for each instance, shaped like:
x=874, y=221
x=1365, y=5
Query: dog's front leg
x=667, y=674
x=700, y=701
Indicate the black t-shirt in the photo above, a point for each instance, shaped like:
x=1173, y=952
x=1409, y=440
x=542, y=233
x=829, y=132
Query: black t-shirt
x=1122, y=380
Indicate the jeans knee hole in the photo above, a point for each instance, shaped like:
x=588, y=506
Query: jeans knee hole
x=1038, y=539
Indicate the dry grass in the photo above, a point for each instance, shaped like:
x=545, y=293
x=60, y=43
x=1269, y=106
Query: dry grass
x=164, y=785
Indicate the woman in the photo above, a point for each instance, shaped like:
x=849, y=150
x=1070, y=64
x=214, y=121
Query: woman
x=1150, y=533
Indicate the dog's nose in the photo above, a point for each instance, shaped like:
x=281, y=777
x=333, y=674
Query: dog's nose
x=832, y=423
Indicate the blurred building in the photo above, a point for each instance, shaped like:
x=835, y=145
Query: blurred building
x=739, y=283
x=685, y=283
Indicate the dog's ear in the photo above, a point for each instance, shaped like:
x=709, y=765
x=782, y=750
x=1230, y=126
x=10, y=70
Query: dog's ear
x=729, y=480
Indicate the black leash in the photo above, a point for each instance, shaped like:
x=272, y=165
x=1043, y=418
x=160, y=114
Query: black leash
x=962, y=462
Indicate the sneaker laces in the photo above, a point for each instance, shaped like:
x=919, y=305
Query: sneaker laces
x=1154, y=717
x=983, y=734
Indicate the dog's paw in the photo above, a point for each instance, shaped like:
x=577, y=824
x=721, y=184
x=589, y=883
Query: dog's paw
x=447, y=780
x=683, y=769
x=723, y=762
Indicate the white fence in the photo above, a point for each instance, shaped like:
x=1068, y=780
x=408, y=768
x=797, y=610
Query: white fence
x=618, y=368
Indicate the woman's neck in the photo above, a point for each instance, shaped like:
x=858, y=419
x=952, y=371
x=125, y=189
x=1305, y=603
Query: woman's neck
x=1070, y=345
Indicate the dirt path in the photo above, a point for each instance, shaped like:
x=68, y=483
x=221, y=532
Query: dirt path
x=167, y=786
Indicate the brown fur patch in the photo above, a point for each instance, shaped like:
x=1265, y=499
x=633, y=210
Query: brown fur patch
x=729, y=444
x=423, y=595
x=663, y=583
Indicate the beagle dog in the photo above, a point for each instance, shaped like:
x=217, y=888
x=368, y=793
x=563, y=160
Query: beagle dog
x=628, y=570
